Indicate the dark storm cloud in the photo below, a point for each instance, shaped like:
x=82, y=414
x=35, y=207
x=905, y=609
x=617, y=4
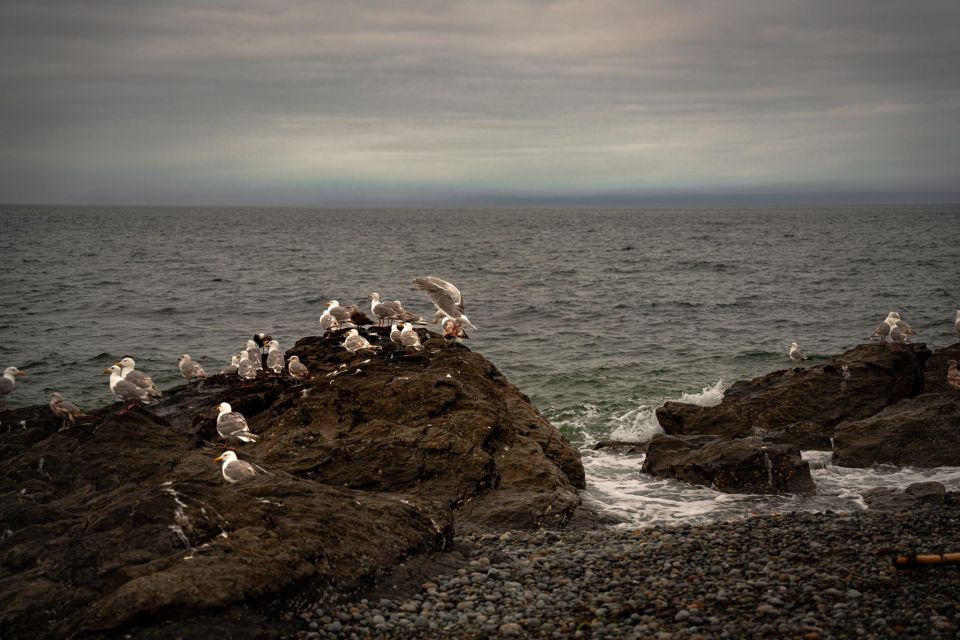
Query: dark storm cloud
x=317, y=102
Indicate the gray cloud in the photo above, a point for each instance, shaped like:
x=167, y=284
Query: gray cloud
x=323, y=103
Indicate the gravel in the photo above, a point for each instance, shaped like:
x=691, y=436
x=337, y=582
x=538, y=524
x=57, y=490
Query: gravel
x=797, y=575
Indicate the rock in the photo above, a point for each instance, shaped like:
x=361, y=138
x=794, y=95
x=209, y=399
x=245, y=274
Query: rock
x=935, y=379
x=126, y=521
x=919, y=432
x=620, y=446
x=742, y=465
x=880, y=375
x=913, y=497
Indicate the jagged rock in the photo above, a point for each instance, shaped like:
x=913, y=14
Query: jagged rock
x=936, y=373
x=919, y=432
x=772, y=405
x=127, y=520
x=914, y=496
x=621, y=446
x=742, y=465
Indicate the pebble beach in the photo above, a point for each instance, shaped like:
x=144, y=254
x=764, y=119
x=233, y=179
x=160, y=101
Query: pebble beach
x=796, y=575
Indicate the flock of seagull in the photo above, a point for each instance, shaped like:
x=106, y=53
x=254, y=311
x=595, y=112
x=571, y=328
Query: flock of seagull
x=133, y=387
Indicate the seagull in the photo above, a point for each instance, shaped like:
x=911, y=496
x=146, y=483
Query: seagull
x=795, y=354
x=328, y=322
x=126, y=391
x=342, y=314
x=231, y=368
x=953, y=376
x=883, y=329
x=231, y=425
x=246, y=368
x=7, y=381
x=297, y=369
x=254, y=353
x=406, y=316
x=139, y=378
x=190, y=369
x=900, y=324
x=354, y=343
x=410, y=338
x=235, y=470
x=395, y=333
x=898, y=335
x=445, y=297
x=386, y=310
x=67, y=410
x=275, y=360
x=452, y=327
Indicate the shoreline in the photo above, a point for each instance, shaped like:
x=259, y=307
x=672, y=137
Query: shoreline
x=796, y=575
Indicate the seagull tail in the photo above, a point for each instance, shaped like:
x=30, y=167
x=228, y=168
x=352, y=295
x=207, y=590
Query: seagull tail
x=248, y=437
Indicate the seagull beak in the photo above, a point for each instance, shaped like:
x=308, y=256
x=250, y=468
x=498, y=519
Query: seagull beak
x=106, y=370
x=22, y=374
x=219, y=459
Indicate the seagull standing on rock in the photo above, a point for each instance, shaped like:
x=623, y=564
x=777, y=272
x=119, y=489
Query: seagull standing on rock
x=8, y=381
x=410, y=339
x=235, y=470
x=231, y=368
x=795, y=354
x=246, y=368
x=130, y=373
x=190, y=369
x=231, y=425
x=126, y=391
x=65, y=409
x=254, y=354
x=355, y=343
x=275, y=361
x=328, y=322
x=297, y=369
x=386, y=310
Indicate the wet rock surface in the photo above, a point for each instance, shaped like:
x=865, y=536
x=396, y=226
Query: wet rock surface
x=920, y=432
x=914, y=496
x=879, y=376
x=124, y=524
x=740, y=465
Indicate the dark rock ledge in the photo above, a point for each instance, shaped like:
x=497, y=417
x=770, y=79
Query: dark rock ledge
x=126, y=524
x=874, y=404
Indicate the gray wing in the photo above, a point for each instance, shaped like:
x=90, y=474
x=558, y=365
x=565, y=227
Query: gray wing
x=256, y=358
x=229, y=369
x=6, y=386
x=234, y=425
x=327, y=322
x=905, y=328
x=68, y=407
x=444, y=295
x=342, y=314
x=126, y=390
x=882, y=329
x=410, y=339
x=238, y=470
x=298, y=370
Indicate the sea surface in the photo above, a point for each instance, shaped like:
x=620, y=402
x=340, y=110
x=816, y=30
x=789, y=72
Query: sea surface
x=598, y=315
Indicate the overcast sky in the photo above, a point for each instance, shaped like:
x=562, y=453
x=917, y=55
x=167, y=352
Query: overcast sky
x=395, y=102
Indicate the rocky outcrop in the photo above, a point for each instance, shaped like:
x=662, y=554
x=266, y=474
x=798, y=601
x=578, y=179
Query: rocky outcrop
x=922, y=432
x=914, y=496
x=783, y=405
x=742, y=465
x=127, y=521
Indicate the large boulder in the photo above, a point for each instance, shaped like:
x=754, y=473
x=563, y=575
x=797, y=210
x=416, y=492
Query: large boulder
x=783, y=405
x=915, y=496
x=742, y=465
x=918, y=432
x=125, y=522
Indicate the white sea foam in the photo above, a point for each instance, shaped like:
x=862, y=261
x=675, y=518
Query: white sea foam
x=710, y=396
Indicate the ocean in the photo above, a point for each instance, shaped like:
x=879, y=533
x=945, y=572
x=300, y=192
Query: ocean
x=598, y=315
